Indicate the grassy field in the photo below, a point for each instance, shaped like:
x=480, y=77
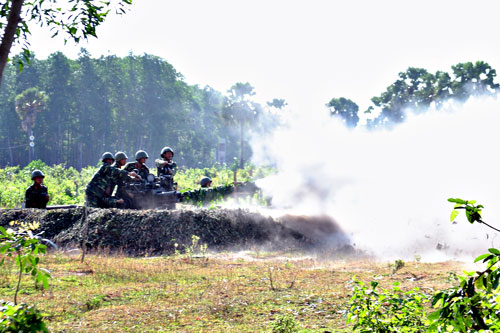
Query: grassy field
x=246, y=292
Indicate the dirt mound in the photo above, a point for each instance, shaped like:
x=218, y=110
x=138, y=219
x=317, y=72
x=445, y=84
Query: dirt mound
x=156, y=231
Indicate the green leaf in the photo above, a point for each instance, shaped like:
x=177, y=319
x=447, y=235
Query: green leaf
x=456, y=200
x=482, y=256
x=495, y=281
x=434, y=315
x=494, y=251
x=454, y=214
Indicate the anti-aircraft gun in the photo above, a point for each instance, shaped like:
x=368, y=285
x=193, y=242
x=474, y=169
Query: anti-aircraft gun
x=161, y=193
x=150, y=193
x=205, y=195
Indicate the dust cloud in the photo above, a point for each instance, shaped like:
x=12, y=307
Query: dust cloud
x=388, y=189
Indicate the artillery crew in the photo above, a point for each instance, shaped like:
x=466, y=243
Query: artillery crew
x=206, y=182
x=140, y=165
x=165, y=165
x=99, y=189
x=37, y=194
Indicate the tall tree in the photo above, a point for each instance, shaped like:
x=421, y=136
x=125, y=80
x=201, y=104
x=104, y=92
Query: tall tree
x=346, y=109
x=28, y=104
x=473, y=79
x=241, y=110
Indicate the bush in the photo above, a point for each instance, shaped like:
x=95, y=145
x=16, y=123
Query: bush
x=20, y=318
x=388, y=310
x=284, y=324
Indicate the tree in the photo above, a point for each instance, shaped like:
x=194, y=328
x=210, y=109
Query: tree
x=77, y=19
x=277, y=103
x=28, y=104
x=345, y=109
x=240, y=110
x=418, y=89
x=473, y=79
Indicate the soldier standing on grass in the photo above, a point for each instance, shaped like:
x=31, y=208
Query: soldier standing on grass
x=99, y=189
x=165, y=165
x=37, y=194
x=140, y=165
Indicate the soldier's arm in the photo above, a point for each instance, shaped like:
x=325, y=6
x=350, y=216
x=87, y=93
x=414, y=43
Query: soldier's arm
x=159, y=162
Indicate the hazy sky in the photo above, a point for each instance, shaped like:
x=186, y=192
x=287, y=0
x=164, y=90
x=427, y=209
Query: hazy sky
x=303, y=51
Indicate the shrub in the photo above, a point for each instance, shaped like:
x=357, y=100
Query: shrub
x=20, y=318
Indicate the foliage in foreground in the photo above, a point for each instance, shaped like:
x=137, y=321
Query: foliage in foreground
x=387, y=310
x=25, y=247
x=473, y=305
x=67, y=185
x=20, y=318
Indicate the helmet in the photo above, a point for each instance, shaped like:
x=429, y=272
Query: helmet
x=107, y=155
x=204, y=181
x=141, y=154
x=120, y=156
x=165, y=149
x=37, y=173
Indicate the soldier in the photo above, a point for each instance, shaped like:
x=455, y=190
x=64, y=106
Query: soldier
x=121, y=193
x=99, y=188
x=120, y=159
x=206, y=182
x=142, y=170
x=165, y=165
x=37, y=194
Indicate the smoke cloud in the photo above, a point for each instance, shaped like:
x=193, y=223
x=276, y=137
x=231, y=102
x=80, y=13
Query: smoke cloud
x=388, y=189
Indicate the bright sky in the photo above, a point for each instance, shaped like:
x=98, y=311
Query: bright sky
x=303, y=51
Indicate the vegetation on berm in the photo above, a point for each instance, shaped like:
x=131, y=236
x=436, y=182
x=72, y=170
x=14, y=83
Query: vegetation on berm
x=67, y=185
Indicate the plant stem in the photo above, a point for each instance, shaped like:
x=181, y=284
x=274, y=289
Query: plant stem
x=19, y=279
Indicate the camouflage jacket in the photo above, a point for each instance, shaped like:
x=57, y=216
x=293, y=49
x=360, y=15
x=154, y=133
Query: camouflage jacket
x=36, y=196
x=167, y=169
x=102, y=183
x=143, y=170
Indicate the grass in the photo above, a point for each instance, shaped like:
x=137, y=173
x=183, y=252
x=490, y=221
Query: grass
x=221, y=292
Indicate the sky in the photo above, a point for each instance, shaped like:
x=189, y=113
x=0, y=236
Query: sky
x=306, y=52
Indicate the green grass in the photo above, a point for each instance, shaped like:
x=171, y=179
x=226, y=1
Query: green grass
x=223, y=292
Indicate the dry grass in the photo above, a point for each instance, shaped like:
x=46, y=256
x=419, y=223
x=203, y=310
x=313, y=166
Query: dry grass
x=225, y=292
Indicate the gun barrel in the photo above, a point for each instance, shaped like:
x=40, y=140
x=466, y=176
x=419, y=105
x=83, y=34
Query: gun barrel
x=62, y=207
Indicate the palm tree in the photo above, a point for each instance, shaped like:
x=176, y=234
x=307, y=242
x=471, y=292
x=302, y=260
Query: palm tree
x=239, y=109
x=28, y=104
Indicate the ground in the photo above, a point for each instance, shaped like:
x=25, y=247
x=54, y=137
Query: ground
x=244, y=291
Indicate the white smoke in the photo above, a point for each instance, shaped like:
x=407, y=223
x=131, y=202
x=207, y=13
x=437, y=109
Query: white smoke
x=388, y=189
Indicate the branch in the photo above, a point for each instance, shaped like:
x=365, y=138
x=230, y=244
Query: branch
x=10, y=32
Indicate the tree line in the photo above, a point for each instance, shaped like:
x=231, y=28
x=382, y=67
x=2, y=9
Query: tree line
x=417, y=89
x=77, y=109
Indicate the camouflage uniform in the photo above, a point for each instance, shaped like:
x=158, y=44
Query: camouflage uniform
x=142, y=169
x=169, y=169
x=36, y=196
x=99, y=189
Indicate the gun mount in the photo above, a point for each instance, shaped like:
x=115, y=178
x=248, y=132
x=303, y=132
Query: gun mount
x=151, y=193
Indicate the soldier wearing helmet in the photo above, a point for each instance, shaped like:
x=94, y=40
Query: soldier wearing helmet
x=100, y=188
x=120, y=159
x=206, y=182
x=165, y=165
x=140, y=164
x=37, y=194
